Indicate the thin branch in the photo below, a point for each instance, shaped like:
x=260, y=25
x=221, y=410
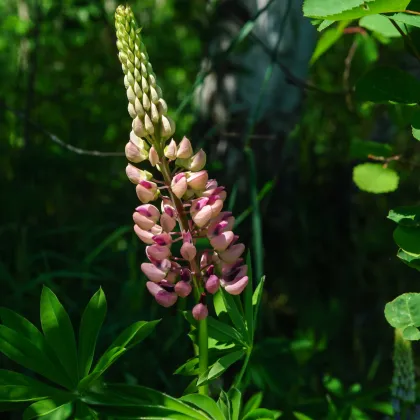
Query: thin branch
x=57, y=140
x=346, y=74
x=407, y=39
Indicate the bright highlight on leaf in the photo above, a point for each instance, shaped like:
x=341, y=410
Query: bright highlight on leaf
x=374, y=178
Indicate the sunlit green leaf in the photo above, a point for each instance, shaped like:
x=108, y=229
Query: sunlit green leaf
x=375, y=178
x=55, y=409
x=205, y=403
x=380, y=24
x=406, y=216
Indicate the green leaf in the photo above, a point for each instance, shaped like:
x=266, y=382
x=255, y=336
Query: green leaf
x=256, y=298
x=223, y=332
x=108, y=359
x=412, y=260
x=28, y=330
x=374, y=178
x=90, y=325
x=327, y=40
x=224, y=404
x=84, y=412
x=404, y=312
x=15, y=387
x=235, y=315
x=388, y=84
x=301, y=416
x=59, y=333
x=219, y=303
x=253, y=403
x=249, y=310
x=235, y=399
x=324, y=25
x=132, y=396
x=381, y=25
x=408, y=238
x=411, y=333
x=361, y=149
x=24, y=352
x=407, y=19
x=220, y=366
x=54, y=408
x=350, y=9
x=189, y=368
x=406, y=216
x=205, y=403
x=415, y=124
x=262, y=414
x=319, y=8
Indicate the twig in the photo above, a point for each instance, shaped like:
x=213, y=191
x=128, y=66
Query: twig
x=407, y=39
x=58, y=141
x=346, y=73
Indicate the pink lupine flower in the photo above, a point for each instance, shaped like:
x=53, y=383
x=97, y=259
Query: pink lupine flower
x=163, y=295
x=163, y=239
x=147, y=235
x=157, y=252
x=179, y=184
x=157, y=271
x=153, y=156
x=234, y=278
x=146, y=191
x=167, y=222
x=200, y=312
x=222, y=241
x=198, y=161
x=232, y=253
x=188, y=251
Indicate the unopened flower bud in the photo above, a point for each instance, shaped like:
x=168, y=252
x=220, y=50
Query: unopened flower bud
x=162, y=107
x=138, y=127
x=166, y=299
x=179, y=184
x=135, y=154
x=136, y=175
x=197, y=180
x=212, y=284
x=198, y=161
x=147, y=191
x=170, y=150
x=184, y=149
x=167, y=127
x=183, y=288
x=200, y=312
x=148, y=125
x=188, y=251
x=153, y=156
x=131, y=110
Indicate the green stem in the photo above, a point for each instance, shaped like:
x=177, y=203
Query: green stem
x=203, y=353
x=240, y=376
x=203, y=339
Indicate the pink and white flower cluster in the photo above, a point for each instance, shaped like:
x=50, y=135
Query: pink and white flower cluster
x=193, y=209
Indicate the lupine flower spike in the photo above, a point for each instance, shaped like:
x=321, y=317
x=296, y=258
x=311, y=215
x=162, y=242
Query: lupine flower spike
x=191, y=205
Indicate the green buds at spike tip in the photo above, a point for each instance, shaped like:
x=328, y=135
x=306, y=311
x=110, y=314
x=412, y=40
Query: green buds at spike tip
x=145, y=103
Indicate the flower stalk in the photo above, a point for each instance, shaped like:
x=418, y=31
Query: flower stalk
x=193, y=206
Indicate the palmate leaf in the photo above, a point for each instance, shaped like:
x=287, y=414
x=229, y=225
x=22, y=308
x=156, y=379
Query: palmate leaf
x=206, y=404
x=59, y=333
x=253, y=403
x=24, y=352
x=17, y=388
x=133, y=400
x=50, y=409
x=28, y=330
x=236, y=400
x=90, y=325
x=131, y=336
x=220, y=366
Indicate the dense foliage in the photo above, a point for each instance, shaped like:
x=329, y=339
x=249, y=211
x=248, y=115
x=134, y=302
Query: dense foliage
x=316, y=151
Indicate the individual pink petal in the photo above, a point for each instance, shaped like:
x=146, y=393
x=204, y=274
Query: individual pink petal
x=202, y=217
x=142, y=221
x=153, y=288
x=212, y=284
x=222, y=241
x=200, y=312
x=232, y=253
x=157, y=252
x=183, y=288
x=197, y=180
x=223, y=222
x=179, y=184
x=198, y=161
x=188, y=251
x=163, y=239
x=149, y=211
x=236, y=287
x=216, y=207
x=166, y=299
x=153, y=272
x=144, y=235
x=167, y=222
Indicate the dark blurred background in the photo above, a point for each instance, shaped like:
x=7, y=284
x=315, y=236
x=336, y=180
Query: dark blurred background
x=328, y=253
